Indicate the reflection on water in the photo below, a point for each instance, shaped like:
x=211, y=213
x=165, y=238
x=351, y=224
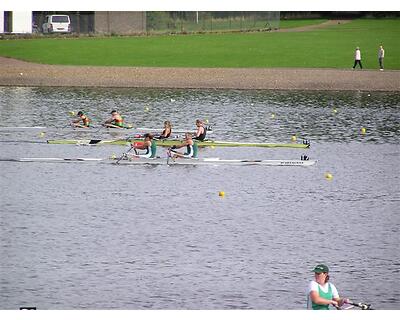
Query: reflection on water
x=88, y=236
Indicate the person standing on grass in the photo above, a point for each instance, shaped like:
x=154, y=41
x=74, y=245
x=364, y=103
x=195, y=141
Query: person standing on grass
x=357, y=58
x=381, y=55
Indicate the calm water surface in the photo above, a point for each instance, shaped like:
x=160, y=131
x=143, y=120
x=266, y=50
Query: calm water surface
x=98, y=236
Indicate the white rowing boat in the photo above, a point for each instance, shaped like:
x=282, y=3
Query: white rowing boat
x=53, y=159
x=166, y=161
x=102, y=129
x=216, y=161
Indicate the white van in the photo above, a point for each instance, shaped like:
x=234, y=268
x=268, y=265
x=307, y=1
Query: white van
x=57, y=23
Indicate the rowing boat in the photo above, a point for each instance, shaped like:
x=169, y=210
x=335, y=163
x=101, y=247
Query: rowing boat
x=172, y=142
x=217, y=161
x=53, y=159
x=128, y=130
x=166, y=161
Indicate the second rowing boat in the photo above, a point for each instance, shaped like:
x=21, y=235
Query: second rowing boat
x=168, y=161
x=172, y=142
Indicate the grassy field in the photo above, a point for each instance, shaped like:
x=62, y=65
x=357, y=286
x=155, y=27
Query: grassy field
x=332, y=47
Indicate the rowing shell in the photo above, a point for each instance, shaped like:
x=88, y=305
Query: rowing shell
x=128, y=130
x=217, y=161
x=53, y=159
x=172, y=142
x=164, y=161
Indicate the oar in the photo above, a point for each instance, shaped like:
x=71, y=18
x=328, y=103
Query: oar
x=132, y=146
x=361, y=305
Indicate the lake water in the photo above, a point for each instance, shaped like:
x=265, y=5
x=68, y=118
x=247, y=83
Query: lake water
x=98, y=236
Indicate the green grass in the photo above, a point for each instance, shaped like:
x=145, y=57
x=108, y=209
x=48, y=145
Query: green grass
x=332, y=47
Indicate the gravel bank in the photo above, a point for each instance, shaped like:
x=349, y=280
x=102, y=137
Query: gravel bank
x=19, y=73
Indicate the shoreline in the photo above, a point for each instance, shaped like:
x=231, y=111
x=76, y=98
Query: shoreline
x=15, y=72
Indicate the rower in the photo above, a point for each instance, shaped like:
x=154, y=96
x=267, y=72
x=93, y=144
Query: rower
x=191, y=148
x=149, y=145
x=81, y=117
x=166, y=132
x=116, y=120
x=321, y=292
x=201, y=131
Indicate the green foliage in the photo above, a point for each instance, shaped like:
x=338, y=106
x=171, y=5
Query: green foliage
x=332, y=47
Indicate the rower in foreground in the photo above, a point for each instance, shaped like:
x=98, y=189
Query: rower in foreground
x=149, y=145
x=191, y=148
x=321, y=293
x=201, y=131
x=116, y=121
x=166, y=132
x=82, y=121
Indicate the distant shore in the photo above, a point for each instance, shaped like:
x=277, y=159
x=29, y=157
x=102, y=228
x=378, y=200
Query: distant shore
x=19, y=73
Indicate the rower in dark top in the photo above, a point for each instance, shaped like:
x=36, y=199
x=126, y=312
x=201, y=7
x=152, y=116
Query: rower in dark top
x=200, y=132
x=166, y=132
x=191, y=148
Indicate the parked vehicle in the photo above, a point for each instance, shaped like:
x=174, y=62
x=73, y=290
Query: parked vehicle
x=57, y=23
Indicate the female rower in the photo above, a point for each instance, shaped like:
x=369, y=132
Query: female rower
x=116, y=120
x=321, y=293
x=166, y=132
x=81, y=118
x=201, y=131
x=148, y=144
x=191, y=148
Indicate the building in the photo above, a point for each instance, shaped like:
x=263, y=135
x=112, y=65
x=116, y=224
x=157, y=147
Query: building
x=99, y=22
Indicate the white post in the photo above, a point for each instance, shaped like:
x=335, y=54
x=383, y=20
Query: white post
x=22, y=22
x=197, y=17
x=1, y=21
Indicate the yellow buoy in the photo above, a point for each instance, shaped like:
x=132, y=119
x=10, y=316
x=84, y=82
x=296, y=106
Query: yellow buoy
x=328, y=176
x=294, y=138
x=221, y=194
x=206, y=121
x=334, y=110
x=363, y=130
x=72, y=113
x=146, y=109
x=272, y=115
x=113, y=156
x=212, y=147
x=41, y=134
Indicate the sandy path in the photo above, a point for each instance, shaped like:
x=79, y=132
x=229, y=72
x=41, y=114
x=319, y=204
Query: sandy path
x=18, y=73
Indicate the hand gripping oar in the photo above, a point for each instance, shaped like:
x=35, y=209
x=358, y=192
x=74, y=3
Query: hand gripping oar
x=362, y=306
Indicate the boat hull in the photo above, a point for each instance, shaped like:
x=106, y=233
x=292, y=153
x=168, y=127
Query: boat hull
x=172, y=142
x=166, y=161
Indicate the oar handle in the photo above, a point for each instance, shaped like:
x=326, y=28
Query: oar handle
x=361, y=305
